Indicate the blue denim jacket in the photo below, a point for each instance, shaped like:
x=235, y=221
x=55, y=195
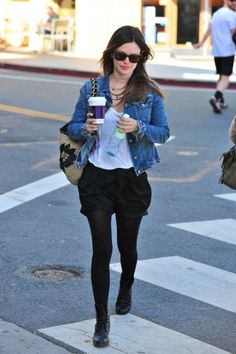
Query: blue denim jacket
x=149, y=113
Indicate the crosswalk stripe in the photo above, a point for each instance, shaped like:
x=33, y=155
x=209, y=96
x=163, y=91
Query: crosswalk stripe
x=130, y=334
x=172, y=137
x=228, y=196
x=31, y=191
x=219, y=229
x=199, y=281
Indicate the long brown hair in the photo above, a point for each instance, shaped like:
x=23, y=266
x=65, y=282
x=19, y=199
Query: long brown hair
x=139, y=82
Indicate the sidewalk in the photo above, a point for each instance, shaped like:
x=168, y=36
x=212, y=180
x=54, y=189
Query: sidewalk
x=189, y=68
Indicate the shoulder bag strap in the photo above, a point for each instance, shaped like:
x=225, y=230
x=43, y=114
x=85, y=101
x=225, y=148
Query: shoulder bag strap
x=94, y=87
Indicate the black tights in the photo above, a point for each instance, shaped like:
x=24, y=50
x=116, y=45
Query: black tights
x=127, y=233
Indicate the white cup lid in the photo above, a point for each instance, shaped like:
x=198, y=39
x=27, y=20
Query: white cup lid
x=97, y=101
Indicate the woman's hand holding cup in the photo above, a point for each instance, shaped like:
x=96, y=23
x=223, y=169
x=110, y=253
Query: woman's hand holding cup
x=91, y=124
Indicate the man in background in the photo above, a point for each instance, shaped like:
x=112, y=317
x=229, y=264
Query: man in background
x=221, y=28
x=47, y=22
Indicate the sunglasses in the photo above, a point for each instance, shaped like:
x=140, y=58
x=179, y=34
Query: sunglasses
x=133, y=58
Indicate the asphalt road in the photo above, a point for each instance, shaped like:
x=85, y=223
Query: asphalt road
x=49, y=232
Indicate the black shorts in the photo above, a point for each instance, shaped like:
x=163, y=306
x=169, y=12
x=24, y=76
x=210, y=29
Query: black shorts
x=224, y=65
x=118, y=191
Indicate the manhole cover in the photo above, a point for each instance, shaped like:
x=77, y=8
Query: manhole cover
x=56, y=273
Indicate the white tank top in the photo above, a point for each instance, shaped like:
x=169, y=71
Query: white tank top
x=99, y=156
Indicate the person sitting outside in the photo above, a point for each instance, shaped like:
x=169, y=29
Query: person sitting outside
x=46, y=26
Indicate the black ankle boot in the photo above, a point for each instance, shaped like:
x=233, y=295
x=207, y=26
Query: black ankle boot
x=123, y=301
x=102, y=327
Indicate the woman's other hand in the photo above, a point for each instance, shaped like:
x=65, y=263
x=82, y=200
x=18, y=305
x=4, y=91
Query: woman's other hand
x=127, y=125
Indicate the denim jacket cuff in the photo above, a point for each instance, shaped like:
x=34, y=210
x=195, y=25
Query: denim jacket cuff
x=142, y=128
x=84, y=132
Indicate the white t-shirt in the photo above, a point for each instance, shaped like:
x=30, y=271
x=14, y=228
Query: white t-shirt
x=223, y=20
x=99, y=157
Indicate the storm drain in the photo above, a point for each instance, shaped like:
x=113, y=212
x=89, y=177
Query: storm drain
x=56, y=272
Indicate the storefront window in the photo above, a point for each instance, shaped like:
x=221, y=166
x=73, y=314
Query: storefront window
x=155, y=24
x=161, y=22
x=188, y=21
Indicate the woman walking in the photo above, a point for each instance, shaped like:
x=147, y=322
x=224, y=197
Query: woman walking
x=114, y=181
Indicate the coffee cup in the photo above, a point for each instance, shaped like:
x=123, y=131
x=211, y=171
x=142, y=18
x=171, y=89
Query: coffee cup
x=97, y=107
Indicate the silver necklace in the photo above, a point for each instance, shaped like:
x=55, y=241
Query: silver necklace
x=117, y=93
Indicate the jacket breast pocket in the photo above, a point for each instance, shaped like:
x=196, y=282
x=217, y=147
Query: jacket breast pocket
x=144, y=110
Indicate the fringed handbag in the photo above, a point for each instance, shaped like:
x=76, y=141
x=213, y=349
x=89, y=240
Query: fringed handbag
x=228, y=165
x=228, y=168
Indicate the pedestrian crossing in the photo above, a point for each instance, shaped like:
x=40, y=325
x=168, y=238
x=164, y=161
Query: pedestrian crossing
x=31, y=191
x=184, y=276
x=227, y=196
x=132, y=335
x=212, y=229
x=197, y=280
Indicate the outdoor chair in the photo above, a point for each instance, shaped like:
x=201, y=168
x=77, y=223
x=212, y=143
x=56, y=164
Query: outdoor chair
x=62, y=34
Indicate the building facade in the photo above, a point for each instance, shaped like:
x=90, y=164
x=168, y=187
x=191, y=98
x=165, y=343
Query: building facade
x=173, y=23
x=166, y=24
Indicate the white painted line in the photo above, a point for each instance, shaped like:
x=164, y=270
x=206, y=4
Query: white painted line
x=228, y=196
x=199, y=281
x=220, y=229
x=31, y=191
x=131, y=335
x=172, y=137
x=40, y=79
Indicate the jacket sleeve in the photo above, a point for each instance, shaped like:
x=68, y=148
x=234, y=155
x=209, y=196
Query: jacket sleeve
x=155, y=128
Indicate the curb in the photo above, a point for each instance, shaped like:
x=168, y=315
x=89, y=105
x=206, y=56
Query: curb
x=89, y=74
x=47, y=70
